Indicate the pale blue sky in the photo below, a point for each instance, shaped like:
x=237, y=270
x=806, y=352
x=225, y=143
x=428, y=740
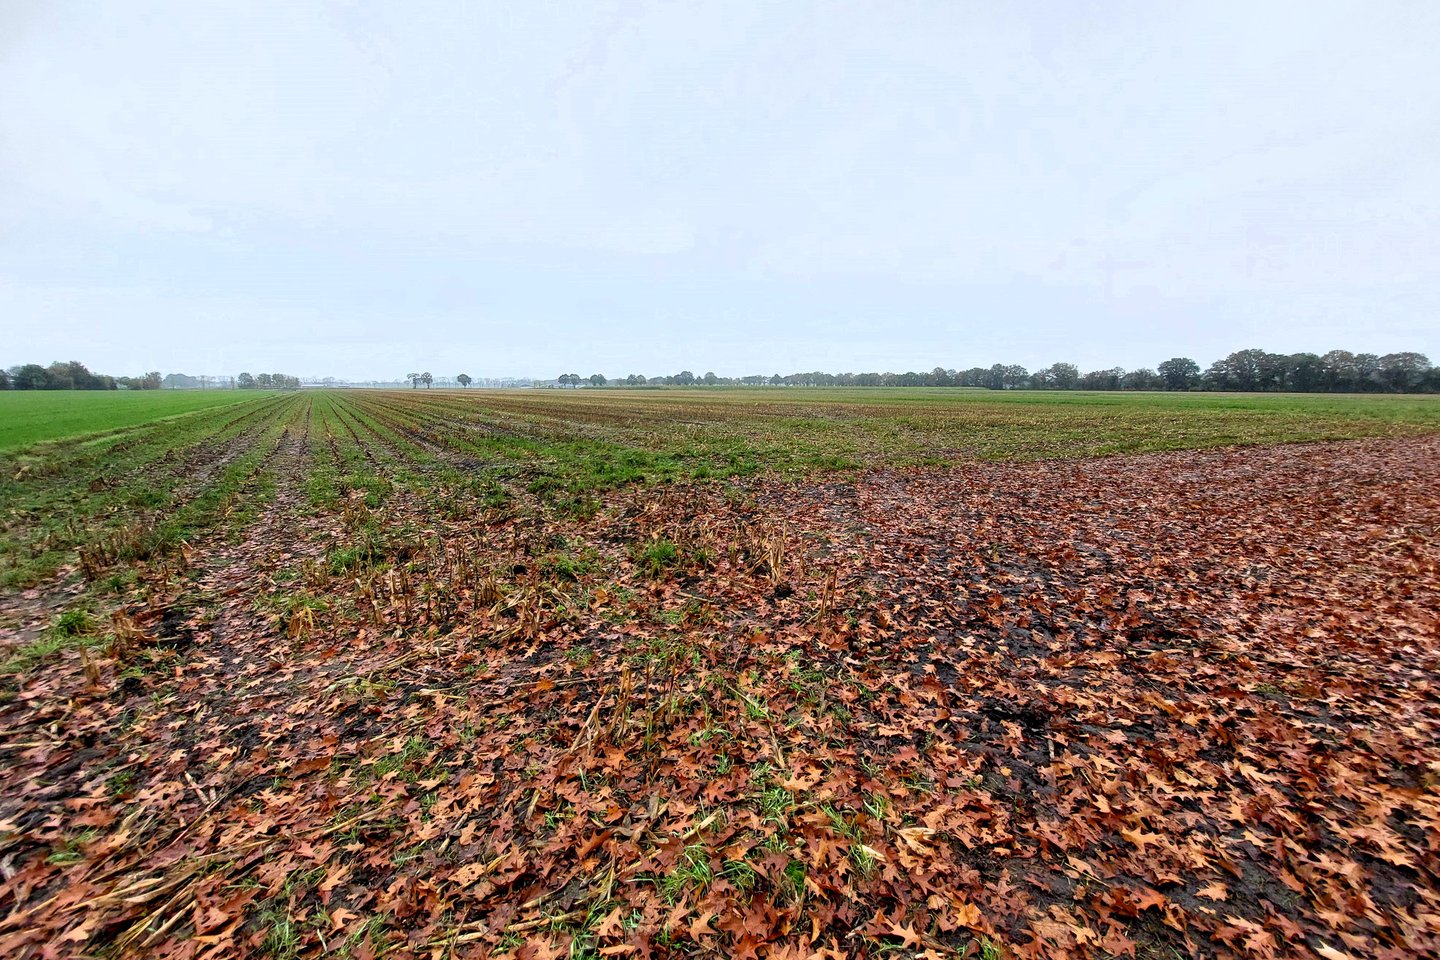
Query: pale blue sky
x=364, y=189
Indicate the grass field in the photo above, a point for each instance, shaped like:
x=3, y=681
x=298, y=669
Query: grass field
x=725, y=673
x=34, y=416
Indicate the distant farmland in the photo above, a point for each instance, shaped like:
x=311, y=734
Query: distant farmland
x=776, y=672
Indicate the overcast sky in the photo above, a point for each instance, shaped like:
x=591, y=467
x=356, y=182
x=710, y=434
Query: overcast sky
x=365, y=189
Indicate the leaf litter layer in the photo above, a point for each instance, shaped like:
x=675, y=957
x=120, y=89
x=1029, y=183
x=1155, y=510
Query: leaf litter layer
x=1178, y=704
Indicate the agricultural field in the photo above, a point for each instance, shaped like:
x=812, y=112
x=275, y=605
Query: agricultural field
x=772, y=673
x=32, y=416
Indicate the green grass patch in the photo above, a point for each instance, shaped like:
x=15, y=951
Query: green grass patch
x=35, y=416
x=73, y=628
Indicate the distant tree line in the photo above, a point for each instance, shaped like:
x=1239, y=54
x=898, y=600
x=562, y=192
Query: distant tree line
x=428, y=380
x=267, y=381
x=1338, y=371
x=71, y=376
x=76, y=376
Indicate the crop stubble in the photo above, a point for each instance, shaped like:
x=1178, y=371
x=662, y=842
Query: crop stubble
x=419, y=674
